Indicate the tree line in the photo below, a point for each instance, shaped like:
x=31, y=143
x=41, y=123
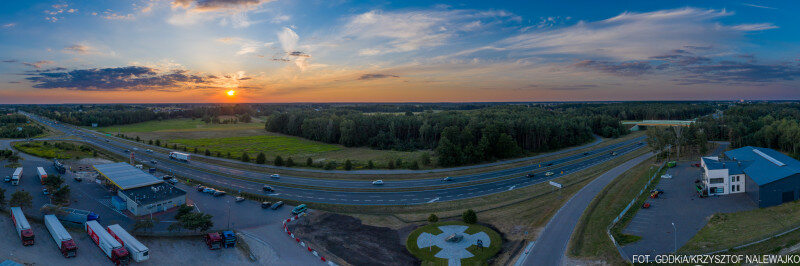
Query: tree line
x=771, y=125
x=17, y=126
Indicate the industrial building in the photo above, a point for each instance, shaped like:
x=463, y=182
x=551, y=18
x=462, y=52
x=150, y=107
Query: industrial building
x=767, y=176
x=139, y=192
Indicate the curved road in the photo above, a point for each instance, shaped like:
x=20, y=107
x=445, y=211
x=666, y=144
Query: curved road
x=470, y=186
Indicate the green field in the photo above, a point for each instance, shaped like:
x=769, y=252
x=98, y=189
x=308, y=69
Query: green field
x=183, y=124
x=269, y=144
x=427, y=254
x=57, y=150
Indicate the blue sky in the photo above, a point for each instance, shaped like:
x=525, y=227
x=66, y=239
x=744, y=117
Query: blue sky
x=322, y=51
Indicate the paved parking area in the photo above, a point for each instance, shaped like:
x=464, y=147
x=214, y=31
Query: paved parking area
x=680, y=205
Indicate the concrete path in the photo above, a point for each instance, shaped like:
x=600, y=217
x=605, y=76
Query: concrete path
x=453, y=251
x=552, y=243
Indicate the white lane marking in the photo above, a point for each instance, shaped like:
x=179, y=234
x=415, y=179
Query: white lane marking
x=433, y=200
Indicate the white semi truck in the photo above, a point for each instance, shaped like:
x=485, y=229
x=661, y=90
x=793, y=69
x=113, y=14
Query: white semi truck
x=24, y=230
x=110, y=246
x=60, y=235
x=137, y=250
x=16, y=176
x=179, y=156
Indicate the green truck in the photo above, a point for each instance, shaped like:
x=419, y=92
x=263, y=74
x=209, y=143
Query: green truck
x=672, y=164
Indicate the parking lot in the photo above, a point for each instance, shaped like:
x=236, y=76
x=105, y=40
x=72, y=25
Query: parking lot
x=681, y=205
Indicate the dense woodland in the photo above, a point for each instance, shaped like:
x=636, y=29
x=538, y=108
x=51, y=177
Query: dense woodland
x=771, y=125
x=109, y=115
x=16, y=126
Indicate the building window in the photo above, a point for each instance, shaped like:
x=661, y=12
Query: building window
x=716, y=180
x=733, y=188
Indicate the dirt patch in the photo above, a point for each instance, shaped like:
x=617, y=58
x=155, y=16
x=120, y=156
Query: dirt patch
x=346, y=237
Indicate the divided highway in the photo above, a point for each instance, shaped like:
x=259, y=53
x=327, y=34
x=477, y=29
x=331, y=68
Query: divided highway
x=361, y=192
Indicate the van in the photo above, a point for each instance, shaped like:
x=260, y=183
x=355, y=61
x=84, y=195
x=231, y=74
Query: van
x=299, y=209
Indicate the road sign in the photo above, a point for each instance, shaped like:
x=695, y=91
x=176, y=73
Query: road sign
x=555, y=184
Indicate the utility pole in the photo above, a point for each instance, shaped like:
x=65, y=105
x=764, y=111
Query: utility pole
x=675, y=233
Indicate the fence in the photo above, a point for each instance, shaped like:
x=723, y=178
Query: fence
x=624, y=211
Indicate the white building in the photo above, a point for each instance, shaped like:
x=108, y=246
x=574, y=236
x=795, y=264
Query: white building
x=722, y=176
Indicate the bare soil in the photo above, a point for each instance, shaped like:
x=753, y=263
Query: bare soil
x=346, y=237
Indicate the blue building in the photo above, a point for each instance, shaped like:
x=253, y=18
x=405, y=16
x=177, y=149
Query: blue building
x=767, y=176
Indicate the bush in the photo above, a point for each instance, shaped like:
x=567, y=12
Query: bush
x=426, y=159
x=348, y=165
x=433, y=218
x=245, y=157
x=330, y=165
x=261, y=158
x=469, y=217
x=289, y=162
x=370, y=164
x=208, y=153
x=309, y=162
x=414, y=165
x=278, y=160
x=390, y=165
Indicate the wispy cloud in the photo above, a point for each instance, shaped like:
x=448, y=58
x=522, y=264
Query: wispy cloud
x=9, y=25
x=371, y=76
x=229, y=12
x=78, y=49
x=245, y=46
x=758, y=6
x=38, y=64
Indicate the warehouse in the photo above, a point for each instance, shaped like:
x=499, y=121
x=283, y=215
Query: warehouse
x=767, y=176
x=141, y=193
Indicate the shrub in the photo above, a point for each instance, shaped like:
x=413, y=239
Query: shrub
x=348, y=165
x=469, y=217
x=433, y=218
x=278, y=160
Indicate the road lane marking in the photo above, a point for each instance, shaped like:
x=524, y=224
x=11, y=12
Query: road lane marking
x=433, y=200
x=512, y=187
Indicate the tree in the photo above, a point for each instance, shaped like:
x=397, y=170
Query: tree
x=53, y=182
x=174, y=227
x=138, y=139
x=278, y=161
x=261, y=158
x=414, y=165
x=143, y=224
x=21, y=199
x=433, y=218
x=61, y=195
x=330, y=165
x=183, y=210
x=309, y=162
x=158, y=143
x=370, y=164
x=469, y=217
x=390, y=165
x=150, y=142
x=245, y=157
x=208, y=153
x=195, y=149
x=2, y=197
x=348, y=165
x=94, y=153
x=425, y=158
x=289, y=162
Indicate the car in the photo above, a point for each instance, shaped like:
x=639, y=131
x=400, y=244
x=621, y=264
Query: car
x=585, y=154
x=166, y=177
x=44, y=191
x=200, y=188
x=299, y=209
x=172, y=181
x=377, y=182
x=529, y=175
x=108, y=141
x=548, y=174
x=266, y=204
x=447, y=179
x=219, y=193
x=239, y=199
x=613, y=153
x=135, y=149
x=550, y=164
x=209, y=190
x=127, y=151
x=149, y=151
x=7, y=179
x=667, y=176
x=153, y=162
x=267, y=189
x=275, y=176
x=78, y=179
x=277, y=205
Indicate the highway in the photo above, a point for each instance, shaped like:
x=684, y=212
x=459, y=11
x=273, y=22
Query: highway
x=358, y=192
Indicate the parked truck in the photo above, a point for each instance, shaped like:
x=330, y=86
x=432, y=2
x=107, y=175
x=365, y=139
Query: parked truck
x=42, y=174
x=16, y=176
x=59, y=167
x=213, y=240
x=24, y=230
x=179, y=156
x=60, y=235
x=110, y=246
x=228, y=239
x=70, y=215
x=138, y=251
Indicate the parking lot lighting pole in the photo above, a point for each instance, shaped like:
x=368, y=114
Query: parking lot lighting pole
x=675, y=232
x=229, y=214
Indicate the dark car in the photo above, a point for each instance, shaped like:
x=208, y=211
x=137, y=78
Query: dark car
x=128, y=151
x=277, y=205
x=218, y=193
x=268, y=189
x=530, y=175
x=585, y=154
x=7, y=179
x=266, y=204
x=200, y=188
x=550, y=164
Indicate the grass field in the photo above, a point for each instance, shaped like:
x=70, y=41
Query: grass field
x=590, y=240
x=269, y=144
x=727, y=230
x=183, y=124
x=57, y=150
x=480, y=254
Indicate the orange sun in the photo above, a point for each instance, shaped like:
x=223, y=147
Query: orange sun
x=231, y=92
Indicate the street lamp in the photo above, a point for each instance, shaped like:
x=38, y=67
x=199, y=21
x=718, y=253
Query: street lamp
x=675, y=232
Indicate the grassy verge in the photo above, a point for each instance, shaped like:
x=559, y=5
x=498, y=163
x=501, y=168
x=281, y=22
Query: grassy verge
x=589, y=239
x=727, y=230
x=183, y=124
x=616, y=230
x=56, y=149
x=480, y=254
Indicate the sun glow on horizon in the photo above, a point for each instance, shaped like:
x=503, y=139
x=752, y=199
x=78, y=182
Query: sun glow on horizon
x=231, y=92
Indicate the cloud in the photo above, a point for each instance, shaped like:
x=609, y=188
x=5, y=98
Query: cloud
x=619, y=69
x=10, y=61
x=573, y=87
x=229, y=12
x=38, y=64
x=78, y=49
x=376, y=76
x=757, y=6
x=9, y=25
x=289, y=43
x=135, y=78
x=246, y=46
x=56, y=12
x=216, y=5
x=754, y=27
x=737, y=72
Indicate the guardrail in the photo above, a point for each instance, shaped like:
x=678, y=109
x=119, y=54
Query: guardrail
x=627, y=208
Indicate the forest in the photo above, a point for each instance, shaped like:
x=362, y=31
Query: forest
x=771, y=125
x=17, y=126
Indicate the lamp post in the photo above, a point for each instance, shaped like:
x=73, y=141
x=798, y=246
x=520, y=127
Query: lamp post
x=675, y=232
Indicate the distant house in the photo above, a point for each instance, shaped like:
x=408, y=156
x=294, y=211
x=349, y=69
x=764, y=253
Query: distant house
x=767, y=176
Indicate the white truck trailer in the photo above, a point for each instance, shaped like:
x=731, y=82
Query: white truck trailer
x=42, y=174
x=138, y=251
x=110, y=246
x=179, y=156
x=16, y=176
x=24, y=230
x=60, y=235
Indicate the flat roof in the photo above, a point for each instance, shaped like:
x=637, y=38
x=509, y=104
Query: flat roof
x=765, y=165
x=153, y=193
x=125, y=176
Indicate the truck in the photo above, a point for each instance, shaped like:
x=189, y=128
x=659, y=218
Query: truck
x=110, y=246
x=59, y=167
x=24, y=230
x=16, y=176
x=70, y=215
x=42, y=174
x=136, y=249
x=60, y=235
x=213, y=241
x=179, y=156
x=228, y=239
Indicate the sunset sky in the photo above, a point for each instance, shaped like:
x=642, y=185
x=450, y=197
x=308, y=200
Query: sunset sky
x=382, y=51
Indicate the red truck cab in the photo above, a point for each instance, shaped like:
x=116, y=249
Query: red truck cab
x=120, y=256
x=69, y=249
x=27, y=237
x=213, y=241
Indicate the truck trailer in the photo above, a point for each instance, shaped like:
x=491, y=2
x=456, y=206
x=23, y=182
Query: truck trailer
x=24, y=230
x=138, y=251
x=16, y=176
x=42, y=174
x=70, y=215
x=179, y=156
x=110, y=246
x=60, y=235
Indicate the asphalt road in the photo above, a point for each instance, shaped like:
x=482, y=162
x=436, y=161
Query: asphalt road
x=550, y=247
x=471, y=185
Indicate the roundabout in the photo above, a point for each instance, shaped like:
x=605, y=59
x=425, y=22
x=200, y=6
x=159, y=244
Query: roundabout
x=454, y=243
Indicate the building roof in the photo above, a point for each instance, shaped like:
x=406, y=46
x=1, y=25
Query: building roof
x=125, y=176
x=764, y=165
x=734, y=167
x=153, y=193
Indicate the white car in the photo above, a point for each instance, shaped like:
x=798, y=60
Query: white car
x=377, y=182
x=666, y=176
x=548, y=174
x=149, y=151
x=275, y=176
